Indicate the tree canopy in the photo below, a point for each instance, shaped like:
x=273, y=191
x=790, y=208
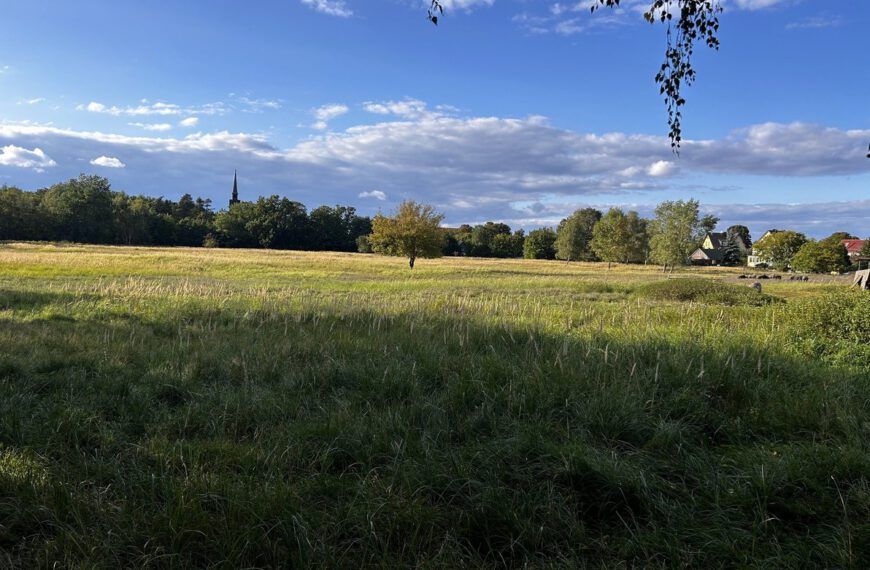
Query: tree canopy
x=779, y=248
x=825, y=256
x=676, y=231
x=620, y=238
x=574, y=235
x=741, y=232
x=540, y=244
x=414, y=231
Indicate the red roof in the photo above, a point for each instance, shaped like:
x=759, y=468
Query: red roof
x=853, y=245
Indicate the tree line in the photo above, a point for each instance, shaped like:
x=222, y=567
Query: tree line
x=87, y=210
x=787, y=249
x=586, y=235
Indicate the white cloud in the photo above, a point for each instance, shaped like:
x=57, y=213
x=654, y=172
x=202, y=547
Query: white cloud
x=571, y=18
x=250, y=105
x=153, y=109
x=108, y=162
x=5, y=69
x=34, y=101
x=153, y=127
x=815, y=22
x=11, y=155
x=331, y=7
x=756, y=4
x=189, y=122
x=326, y=113
x=406, y=109
x=661, y=168
x=461, y=4
x=376, y=194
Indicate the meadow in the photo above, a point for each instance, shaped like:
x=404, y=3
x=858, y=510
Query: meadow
x=176, y=408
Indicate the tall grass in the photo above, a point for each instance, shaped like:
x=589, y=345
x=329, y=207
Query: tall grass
x=189, y=408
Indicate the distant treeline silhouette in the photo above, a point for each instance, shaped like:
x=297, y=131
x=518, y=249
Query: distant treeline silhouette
x=87, y=210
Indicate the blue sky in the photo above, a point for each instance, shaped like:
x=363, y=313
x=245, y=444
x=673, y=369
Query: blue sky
x=513, y=110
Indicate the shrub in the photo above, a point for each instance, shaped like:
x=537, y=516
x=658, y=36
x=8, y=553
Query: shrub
x=363, y=245
x=704, y=291
x=210, y=241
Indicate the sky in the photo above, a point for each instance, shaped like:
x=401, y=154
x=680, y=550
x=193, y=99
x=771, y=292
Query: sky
x=517, y=111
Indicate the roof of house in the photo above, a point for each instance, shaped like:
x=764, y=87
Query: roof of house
x=854, y=245
x=718, y=239
x=711, y=254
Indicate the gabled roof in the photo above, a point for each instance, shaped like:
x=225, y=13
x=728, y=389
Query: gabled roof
x=711, y=254
x=854, y=245
x=718, y=239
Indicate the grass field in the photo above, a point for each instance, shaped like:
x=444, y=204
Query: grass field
x=174, y=408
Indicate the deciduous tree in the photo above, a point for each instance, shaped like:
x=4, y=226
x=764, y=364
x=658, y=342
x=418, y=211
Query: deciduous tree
x=676, y=231
x=413, y=232
x=574, y=235
x=540, y=244
x=620, y=238
x=821, y=257
x=779, y=248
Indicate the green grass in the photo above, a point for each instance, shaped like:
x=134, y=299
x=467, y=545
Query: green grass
x=698, y=290
x=176, y=408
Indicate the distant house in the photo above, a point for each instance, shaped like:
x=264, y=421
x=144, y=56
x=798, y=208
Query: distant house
x=754, y=260
x=706, y=256
x=854, y=247
x=712, y=249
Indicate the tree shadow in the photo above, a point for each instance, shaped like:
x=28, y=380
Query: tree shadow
x=360, y=438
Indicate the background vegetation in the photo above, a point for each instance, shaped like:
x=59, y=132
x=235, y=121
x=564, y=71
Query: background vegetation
x=87, y=210
x=239, y=408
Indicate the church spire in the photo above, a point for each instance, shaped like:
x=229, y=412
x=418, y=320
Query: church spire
x=235, y=198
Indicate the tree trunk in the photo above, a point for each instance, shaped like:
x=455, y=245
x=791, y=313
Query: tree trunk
x=411, y=262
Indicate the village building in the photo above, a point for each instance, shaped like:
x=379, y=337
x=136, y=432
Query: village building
x=235, y=197
x=712, y=249
x=853, y=248
x=754, y=260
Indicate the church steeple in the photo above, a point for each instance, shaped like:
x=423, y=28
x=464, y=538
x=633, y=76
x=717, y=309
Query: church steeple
x=235, y=198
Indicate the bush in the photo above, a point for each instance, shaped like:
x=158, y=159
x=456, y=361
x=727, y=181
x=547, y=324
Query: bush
x=210, y=241
x=704, y=291
x=363, y=245
x=834, y=327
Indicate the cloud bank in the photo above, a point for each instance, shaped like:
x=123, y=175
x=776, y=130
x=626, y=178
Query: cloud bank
x=473, y=168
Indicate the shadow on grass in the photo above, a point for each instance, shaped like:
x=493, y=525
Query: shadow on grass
x=16, y=300
x=360, y=440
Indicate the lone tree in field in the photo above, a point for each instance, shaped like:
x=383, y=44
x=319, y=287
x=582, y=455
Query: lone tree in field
x=676, y=231
x=413, y=232
x=620, y=238
x=574, y=235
